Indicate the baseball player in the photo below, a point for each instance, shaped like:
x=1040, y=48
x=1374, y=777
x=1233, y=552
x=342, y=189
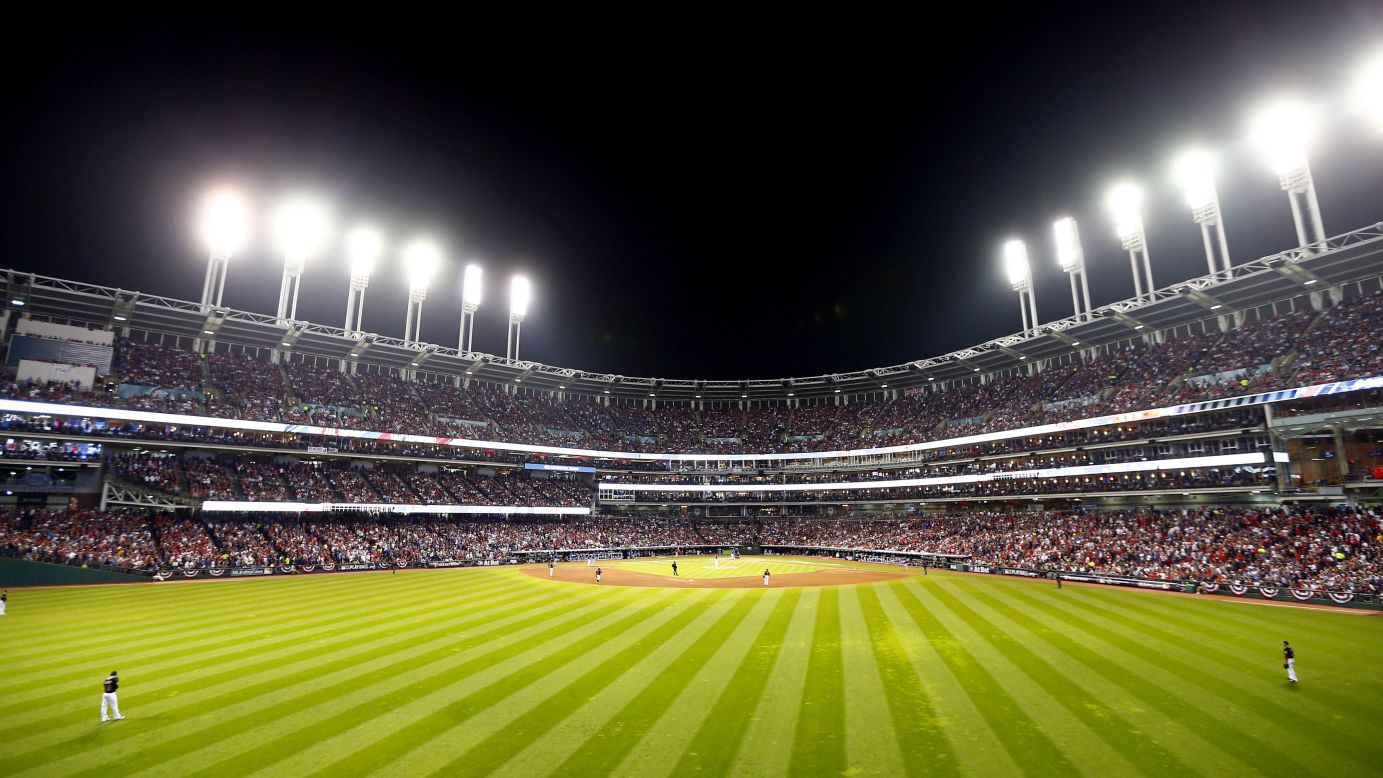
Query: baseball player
x=551, y=567
x=766, y=574
x=598, y=571
x=1289, y=661
x=4, y=598
x=674, y=567
x=109, y=686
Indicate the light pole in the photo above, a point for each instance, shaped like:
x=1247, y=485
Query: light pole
x=223, y=227
x=363, y=246
x=300, y=230
x=420, y=260
x=1196, y=169
x=520, y=292
x=1071, y=257
x=1284, y=130
x=1126, y=203
x=1020, y=278
x=471, y=289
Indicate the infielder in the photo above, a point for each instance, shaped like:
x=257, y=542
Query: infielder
x=109, y=686
x=551, y=567
x=766, y=576
x=598, y=571
x=674, y=567
x=1289, y=661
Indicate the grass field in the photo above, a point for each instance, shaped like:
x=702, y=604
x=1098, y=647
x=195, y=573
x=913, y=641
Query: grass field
x=480, y=671
x=696, y=567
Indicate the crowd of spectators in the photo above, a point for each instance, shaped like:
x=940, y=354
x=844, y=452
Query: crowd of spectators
x=236, y=478
x=166, y=367
x=1333, y=549
x=1343, y=343
x=1267, y=352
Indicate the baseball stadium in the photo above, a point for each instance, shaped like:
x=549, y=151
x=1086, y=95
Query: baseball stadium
x=1091, y=546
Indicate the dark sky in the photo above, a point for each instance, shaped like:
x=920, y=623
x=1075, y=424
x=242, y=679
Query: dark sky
x=692, y=198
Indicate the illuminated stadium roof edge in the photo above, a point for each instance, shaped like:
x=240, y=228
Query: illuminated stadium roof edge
x=1352, y=257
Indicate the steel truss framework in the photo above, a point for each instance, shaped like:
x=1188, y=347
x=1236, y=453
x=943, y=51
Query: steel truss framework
x=1352, y=257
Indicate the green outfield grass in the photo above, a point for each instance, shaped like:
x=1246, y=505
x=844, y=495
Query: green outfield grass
x=694, y=567
x=467, y=672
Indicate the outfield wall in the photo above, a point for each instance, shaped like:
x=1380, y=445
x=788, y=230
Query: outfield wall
x=23, y=572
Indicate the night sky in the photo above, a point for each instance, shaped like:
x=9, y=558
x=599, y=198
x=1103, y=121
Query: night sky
x=692, y=198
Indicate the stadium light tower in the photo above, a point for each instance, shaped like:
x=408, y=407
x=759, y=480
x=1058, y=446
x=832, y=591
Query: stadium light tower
x=1126, y=203
x=420, y=261
x=1020, y=278
x=300, y=231
x=223, y=225
x=1284, y=130
x=520, y=293
x=471, y=289
x=1196, y=169
x=363, y=246
x=1071, y=257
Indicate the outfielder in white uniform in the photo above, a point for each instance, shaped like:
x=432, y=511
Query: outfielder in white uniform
x=109, y=687
x=1289, y=662
x=4, y=598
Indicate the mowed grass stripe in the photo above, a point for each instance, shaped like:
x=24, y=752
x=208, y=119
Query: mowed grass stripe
x=205, y=647
x=1203, y=709
x=336, y=706
x=713, y=747
x=210, y=707
x=767, y=745
x=703, y=670
x=1250, y=655
x=46, y=612
x=1124, y=748
x=871, y=741
x=1027, y=744
x=156, y=679
x=658, y=681
x=587, y=685
x=1248, y=667
x=1125, y=700
x=1242, y=682
x=615, y=647
x=1034, y=707
x=819, y=744
x=177, y=618
x=919, y=731
x=977, y=746
x=542, y=754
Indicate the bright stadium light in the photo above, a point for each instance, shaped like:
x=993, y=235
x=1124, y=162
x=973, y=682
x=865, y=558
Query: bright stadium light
x=1071, y=257
x=300, y=227
x=520, y=294
x=1195, y=169
x=1016, y=264
x=1284, y=130
x=1126, y=205
x=1368, y=91
x=223, y=226
x=471, y=289
x=420, y=261
x=1020, y=278
x=363, y=247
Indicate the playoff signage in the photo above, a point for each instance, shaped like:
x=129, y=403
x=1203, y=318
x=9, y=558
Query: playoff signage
x=1273, y=592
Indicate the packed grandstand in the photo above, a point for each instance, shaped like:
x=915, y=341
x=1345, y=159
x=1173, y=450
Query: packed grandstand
x=1222, y=449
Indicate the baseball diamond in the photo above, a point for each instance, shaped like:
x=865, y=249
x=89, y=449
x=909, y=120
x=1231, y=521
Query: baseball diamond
x=492, y=671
